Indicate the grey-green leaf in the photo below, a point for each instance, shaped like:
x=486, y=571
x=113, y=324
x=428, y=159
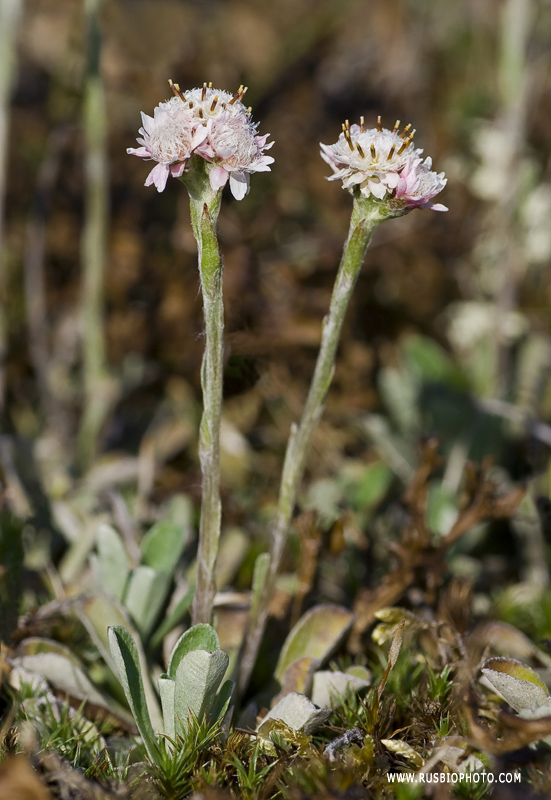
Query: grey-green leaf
x=297, y=712
x=145, y=596
x=198, y=677
x=221, y=702
x=200, y=637
x=166, y=690
x=64, y=674
x=163, y=545
x=98, y=613
x=317, y=634
x=127, y=665
x=111, y=565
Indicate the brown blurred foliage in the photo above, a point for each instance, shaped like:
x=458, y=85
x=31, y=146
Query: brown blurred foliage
x=308, y=65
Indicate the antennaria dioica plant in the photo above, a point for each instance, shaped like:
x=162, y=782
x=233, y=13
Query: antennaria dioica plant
x=204, y=137
x=387, y=178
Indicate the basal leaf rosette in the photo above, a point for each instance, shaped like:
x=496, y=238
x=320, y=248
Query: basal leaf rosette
x=383, y=167
x=207, y=123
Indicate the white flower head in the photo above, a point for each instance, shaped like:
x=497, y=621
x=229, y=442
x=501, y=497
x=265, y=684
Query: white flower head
x=384, y=164
x=209, y=123
x=169, y=137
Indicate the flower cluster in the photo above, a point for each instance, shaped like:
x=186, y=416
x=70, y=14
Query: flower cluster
x=385, y=165
x=209, y=123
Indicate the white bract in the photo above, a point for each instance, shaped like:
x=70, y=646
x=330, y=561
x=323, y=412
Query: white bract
x=384, y=164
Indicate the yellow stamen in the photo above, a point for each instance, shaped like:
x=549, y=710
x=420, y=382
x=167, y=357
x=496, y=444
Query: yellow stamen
x=176, y=89
x=213, y=104
x=406, y=129
x=240, y=93
x=346, y=132
x=391, y=152
x=359, y=149
x=396, y=126
x=407, y=143
x=373, y=151
x=204, y=92
x=379, y=124
x=362, y=124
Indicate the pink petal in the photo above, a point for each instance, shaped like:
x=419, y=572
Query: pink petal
x=158, y=176
x=218, y=177
x=176, y=170
x=142, y=152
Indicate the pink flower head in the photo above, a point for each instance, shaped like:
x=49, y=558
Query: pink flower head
x=212, y=124
x=385, y=165
x=232, y=144
x=169, y=138
x=236, y=151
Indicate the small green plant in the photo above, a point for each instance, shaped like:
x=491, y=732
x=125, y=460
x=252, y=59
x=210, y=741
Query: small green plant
x=439, y=683
x=191, y=688
x=142, y=588
x=179, y=759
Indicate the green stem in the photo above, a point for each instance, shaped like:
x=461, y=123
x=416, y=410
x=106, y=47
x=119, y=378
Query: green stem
x=365, y=218
x=97, y=388
x=10, y=13
x=204, y=207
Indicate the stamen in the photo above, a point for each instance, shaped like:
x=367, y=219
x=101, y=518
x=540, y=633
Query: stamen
x=176, y=89
x=249, y=111
x=204, y=92
x=373, y=151
x=359, y=149
x=379, y=124
x=391, y=152
x=201, y=113
x=407, y=143
x=362, y=124
x=346, y=132
x=240, y=93
x=213, y=104
x=406, y=129
x=396, y=126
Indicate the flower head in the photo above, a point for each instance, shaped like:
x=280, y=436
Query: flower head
x=169, y=137
x=384, y=165
x=210, y=124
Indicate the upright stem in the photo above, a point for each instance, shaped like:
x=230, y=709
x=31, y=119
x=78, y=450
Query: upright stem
x=205, y=206
x=97, y=390
x=364, y=219
x=10, y=12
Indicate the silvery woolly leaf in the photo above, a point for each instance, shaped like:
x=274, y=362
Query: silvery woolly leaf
x=163, y=545
x=98, y=613
x=167, y=688
x=316, y=635
x=198, y=677
x=330, y=688
x=297, y=712
x=516, y=683
x=127, y=665
x=111, y=565
x=145, y=595
x=200, y=637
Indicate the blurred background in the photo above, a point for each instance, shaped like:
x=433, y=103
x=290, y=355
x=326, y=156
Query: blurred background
x=449, y=333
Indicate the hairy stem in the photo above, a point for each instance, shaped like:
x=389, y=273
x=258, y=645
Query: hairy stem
x=364, y=220
x=205, y=206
